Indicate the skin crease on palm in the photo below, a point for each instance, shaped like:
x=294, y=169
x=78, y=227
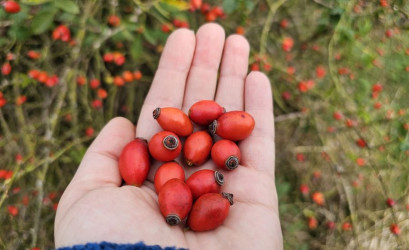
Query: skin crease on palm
x=95, y=207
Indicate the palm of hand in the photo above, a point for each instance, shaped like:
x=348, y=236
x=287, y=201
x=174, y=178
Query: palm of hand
x=96, y=208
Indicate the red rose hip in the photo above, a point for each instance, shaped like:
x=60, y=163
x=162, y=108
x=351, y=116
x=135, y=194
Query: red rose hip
x=168, y=171
x=209, y=211
x=205, y=181
x=174, y=120
x=226, y=154
x=205, y=111
x=196, y=149
x=134, y=162
x=233, y=125
x=175, y=201
x=165, y=146
x=11, y=7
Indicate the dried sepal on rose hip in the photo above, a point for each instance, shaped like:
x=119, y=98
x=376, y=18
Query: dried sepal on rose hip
x=196, y=149
x=226, y=154
x=233, y=125
x=134, y=162
x=173, y=120
x=205, y=181
x=209, y=211
x=175, y=201
x=166, y=172
x=205, y=111
x=165, y=146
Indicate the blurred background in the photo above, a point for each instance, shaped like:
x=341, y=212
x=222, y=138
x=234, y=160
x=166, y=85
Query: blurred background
x=340, y=77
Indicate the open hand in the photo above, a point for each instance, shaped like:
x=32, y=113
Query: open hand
x=95, y=207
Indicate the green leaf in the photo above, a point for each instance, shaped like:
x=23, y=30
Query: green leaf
x=229, y=6
x=149, y=36
x=136, y=48
x=250, y=5
x=176, y=5
x=34, y=2
x=42, y=21
x=67, y=6
x=20, y=33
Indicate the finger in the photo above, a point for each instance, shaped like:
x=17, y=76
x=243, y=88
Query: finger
x=168, y=85
x=99, y=166
x=258, y=149
x=232, y=73
x=202, y=79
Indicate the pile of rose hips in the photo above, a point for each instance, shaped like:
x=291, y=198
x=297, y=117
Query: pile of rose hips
x=199, y=198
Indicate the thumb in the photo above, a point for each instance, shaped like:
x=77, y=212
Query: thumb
x=99, y=166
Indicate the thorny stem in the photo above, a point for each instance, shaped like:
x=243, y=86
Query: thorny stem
x=267, y=25
x=51, y=125
x=331, y=55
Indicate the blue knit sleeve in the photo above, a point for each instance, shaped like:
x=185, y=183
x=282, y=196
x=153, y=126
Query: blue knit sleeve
x=114, y=246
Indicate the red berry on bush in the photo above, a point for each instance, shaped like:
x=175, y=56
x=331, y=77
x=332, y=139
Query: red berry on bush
x=175, y=201
x=94, y=83
x=114, y=21
x=395, y=229
x=127, y=76
x=209, y=211
x=134, y=162
x=137, y=75
x=13, y=210
x=6, y=69
x=11, y=7
x=390, y=202
x=312, y=223
x=33, y=54
x=205, y=181
x=174, y=120
x=81, y=80
x=119, y=81
x=318, y=198
x=287, y=44
x=62, y=33
x=195, y=4
x=337, y=116
x=346, y=226
x=330, y=225
x=304, y=189
x=108, y=57
x=361, y=143
x=165, y=146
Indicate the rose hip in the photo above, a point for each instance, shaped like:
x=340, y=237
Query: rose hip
x=134, y=162
x=233, y=125
x=205, y=181
x=174, y=120
x=226, y=154
x=11, y=7
x=165, y=146
x=209, y=211
x=196, y=149
x=205, y=111
x=175, y=201
x=168, y=171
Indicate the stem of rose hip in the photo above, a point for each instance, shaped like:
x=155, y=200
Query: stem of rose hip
x=229, y=197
